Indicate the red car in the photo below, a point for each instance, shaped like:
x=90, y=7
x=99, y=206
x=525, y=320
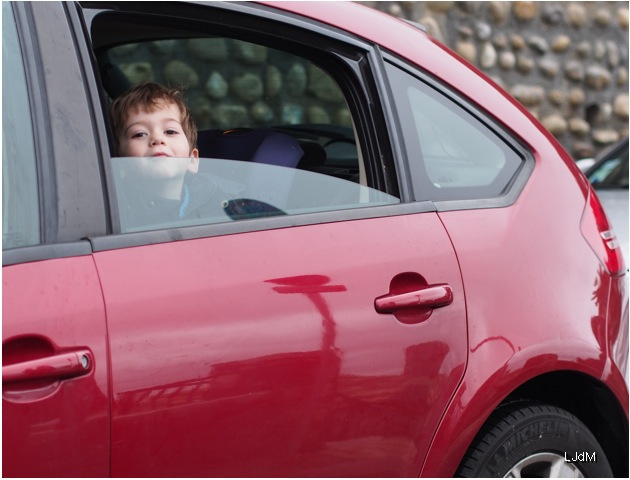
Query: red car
x=402, y=274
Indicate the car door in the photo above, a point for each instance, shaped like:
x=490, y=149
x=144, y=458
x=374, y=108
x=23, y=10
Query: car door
x=326, y=341
x=55, y=397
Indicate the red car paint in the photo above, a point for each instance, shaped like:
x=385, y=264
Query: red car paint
x=282, y=352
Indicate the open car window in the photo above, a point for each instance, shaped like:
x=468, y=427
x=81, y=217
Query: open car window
x=231, y=190
x=276, y=132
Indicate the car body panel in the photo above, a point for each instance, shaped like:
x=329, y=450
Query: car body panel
x=277, y=356
x=50, y=308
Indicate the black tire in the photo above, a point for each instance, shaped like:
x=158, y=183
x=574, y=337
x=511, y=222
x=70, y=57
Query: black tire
x=531, y=440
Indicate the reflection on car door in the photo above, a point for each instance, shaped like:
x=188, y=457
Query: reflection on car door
x=262, y=354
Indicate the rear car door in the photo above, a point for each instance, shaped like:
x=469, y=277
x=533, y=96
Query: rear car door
x=55, y=397
x=325, y=341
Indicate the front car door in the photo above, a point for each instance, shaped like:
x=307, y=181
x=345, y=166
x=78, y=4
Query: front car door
x=324, y=341
x=55, y=396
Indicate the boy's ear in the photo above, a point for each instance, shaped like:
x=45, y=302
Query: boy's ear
x=193, y=166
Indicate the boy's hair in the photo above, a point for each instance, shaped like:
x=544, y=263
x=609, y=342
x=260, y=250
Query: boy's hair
x=146, y=97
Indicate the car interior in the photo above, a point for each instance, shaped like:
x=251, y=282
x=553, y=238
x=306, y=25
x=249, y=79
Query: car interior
x=327, y=147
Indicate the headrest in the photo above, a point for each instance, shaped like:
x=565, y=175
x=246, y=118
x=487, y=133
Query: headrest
x=251, y=145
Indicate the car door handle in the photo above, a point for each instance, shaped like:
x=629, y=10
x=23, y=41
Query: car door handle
x=432, y=296
x=55, y=367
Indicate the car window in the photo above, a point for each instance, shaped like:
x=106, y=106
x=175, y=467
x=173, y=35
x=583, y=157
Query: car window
x=276, y=134
x=461, y=157
x=612, y=172
x=20, y=201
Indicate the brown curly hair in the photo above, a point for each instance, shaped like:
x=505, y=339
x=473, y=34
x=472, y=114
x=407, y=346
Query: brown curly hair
x=146, y=97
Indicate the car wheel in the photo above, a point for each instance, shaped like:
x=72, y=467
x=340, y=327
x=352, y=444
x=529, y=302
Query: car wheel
x=534, y=440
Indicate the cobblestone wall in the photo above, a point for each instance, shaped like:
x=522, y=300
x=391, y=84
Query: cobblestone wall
x=567, y=62
x=230, y=83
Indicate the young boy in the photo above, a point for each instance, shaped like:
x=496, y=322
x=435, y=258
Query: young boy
x=160, y=186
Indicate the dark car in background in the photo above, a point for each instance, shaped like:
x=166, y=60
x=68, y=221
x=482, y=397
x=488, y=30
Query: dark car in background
x=404, y=275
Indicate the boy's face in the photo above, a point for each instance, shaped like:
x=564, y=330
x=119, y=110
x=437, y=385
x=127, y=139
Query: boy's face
x=158, y=135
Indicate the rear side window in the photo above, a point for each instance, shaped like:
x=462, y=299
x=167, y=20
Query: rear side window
x=20, y=200
x=276, y=134
x=462, y=158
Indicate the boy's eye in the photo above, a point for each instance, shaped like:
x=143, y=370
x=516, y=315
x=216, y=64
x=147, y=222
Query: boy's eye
x=171, y=132
x=138, y=135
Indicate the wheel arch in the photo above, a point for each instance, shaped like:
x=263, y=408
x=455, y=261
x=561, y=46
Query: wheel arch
x=589, y=400
x=581, y=394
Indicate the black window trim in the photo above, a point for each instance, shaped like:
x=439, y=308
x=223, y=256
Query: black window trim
x=518, y=181
x=335, y=57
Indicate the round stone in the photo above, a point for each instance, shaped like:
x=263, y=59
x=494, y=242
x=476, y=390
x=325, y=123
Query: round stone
x=549, y=67
x=162, y=48
x=230, y=115
x=295, y=81
x=317, y=114
x=528, y=95
x=557, y=97
x=525, y=64
x=598, y=77
x=179, y=73
x=467, y=50
x=273, y=81
x=250, y=53
x=555, y=123
x=579, y=126
x=574, y=71
x=525, y=11
x=483, y=31
x=507, y=60
x=602, y=17
x=518, y=42
x=261, y=113
x=620, y=106
x=488, y=56
x=248, y=87
x=538, y=44
x=622, y=16
x=605, y=136
x=576, y=15
x=499, y=11
x=216, y=87
x=583, y=49
x=552, y=14
x=208, y=49
x=500, y=41
x=576, y=97
x=440, y=7
x=138, y=72
x=560, y=43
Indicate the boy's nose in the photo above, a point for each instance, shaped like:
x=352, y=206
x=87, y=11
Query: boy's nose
x=157, y=138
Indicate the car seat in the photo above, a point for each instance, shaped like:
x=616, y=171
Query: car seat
x=258, y=146
x=251, y=145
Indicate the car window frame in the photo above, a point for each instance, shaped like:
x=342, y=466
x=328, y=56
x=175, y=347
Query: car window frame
x=417, y=172
x=257, y=27
x=56, y=140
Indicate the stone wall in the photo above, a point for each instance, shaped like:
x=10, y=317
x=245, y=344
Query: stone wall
x=231, y=83
x=567, y=62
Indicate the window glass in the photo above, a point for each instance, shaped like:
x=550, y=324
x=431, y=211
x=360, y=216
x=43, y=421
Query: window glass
x=230, y=190
x=275, y=135
x=20, y=202
x=461, y=157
